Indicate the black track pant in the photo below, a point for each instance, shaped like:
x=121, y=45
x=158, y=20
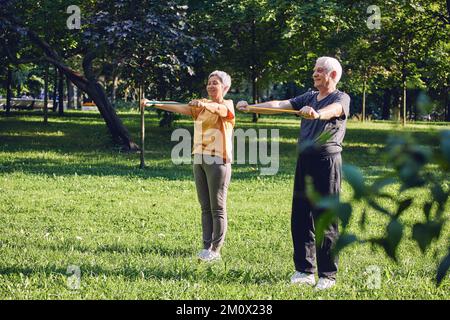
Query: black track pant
x=325, y=172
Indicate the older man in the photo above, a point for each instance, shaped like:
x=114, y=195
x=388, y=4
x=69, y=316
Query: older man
x=325, y=110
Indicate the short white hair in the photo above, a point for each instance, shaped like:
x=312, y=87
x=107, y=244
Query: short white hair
x=331, y=64
x=224, y=78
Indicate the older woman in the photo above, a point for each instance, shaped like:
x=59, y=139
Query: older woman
x=213, y=131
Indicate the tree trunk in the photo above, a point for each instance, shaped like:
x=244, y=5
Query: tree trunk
x=412, y=96
x=46, y=93
x=142, y=164
x=386, y=104
x=444, y=98
x=89, y=84
x=61, y=93
x=396, y=105
x=78, y=95
x=255, y=95
x=115, y=84
x=116, y=128
x=138, y=100
x=254, y=76
x=445, y=92
x=404, y=103
x=55, y=88
x=364, y=101
x=69, y=94
x=8, y=91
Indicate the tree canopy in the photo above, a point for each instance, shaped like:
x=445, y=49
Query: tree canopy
x=169, y=48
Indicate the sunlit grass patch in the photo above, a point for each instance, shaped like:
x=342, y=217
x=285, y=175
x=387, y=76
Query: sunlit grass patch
x=68, y=197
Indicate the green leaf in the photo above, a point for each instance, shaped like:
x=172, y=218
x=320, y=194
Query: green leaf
x=328, y=202
x=355, y=178
x=440, y=210
x=438, y=193
x=427, y=209
x=311, y=193
x=443, y=268
x=323, y=138
x=378, y=242
x=380, y=184
x=445, y=145
x=325, y=220
x=362, y=221
x=405, y=204
x=344, y=212
x=440, y=197
x=387, y=196
x=394, y=236
x=314, y=144
x=341, y=210
x=379, y=208
x=344, y=241
x=304, y=145
x=424, y=233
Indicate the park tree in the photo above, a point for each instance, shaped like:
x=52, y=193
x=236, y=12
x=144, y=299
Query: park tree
x=352, y=40
x=249, y=37
x=310, y=28
x=410, y=32
x=436, y=64
x=436, y=74
x=11, y=70
x=113, y=30
x=393, y=56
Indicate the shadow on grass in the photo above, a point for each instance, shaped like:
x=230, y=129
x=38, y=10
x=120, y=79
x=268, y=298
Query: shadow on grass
x=84, y=135
x=194, y=270
x=204, y=272
x=369, y=137
x=52, y=168
x=156, y=248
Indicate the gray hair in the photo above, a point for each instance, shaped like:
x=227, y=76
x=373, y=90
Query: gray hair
x=224, y=78
x=331, y=64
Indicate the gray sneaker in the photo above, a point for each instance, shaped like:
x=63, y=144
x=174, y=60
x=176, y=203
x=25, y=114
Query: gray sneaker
x=202, y=255
x=303, y=278
x=325, y=283
x=209, y=256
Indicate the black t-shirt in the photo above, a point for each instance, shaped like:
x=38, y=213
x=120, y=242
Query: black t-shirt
x=312, y=129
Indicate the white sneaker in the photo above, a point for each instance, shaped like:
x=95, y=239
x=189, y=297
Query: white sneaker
x=208, y=256
x=303, y=278
x=325, y=283
x=203, y=254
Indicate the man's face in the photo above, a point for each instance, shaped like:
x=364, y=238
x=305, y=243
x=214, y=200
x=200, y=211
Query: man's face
x=321, y=77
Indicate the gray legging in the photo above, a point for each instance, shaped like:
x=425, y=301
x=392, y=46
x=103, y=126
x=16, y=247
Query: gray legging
x=212, y=182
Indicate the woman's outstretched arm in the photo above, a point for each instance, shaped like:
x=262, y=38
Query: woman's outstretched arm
x=222, y=109
x=178, y=108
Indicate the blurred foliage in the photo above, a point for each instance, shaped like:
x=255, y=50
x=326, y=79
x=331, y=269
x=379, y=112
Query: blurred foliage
x=409, y=162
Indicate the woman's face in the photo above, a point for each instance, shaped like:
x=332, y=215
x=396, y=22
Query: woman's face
x=215, y=87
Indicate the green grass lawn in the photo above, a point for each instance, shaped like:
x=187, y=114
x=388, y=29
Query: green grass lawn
x=69, y=197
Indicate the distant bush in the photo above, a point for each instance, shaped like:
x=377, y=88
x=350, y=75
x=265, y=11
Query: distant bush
x=125, y=105
x=238, y=97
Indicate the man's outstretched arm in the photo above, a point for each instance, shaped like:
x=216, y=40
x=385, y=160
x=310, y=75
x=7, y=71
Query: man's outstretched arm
x=334, y=110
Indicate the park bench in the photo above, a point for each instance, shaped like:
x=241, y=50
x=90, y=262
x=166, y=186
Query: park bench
x=27, y=104
x=88, y=106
